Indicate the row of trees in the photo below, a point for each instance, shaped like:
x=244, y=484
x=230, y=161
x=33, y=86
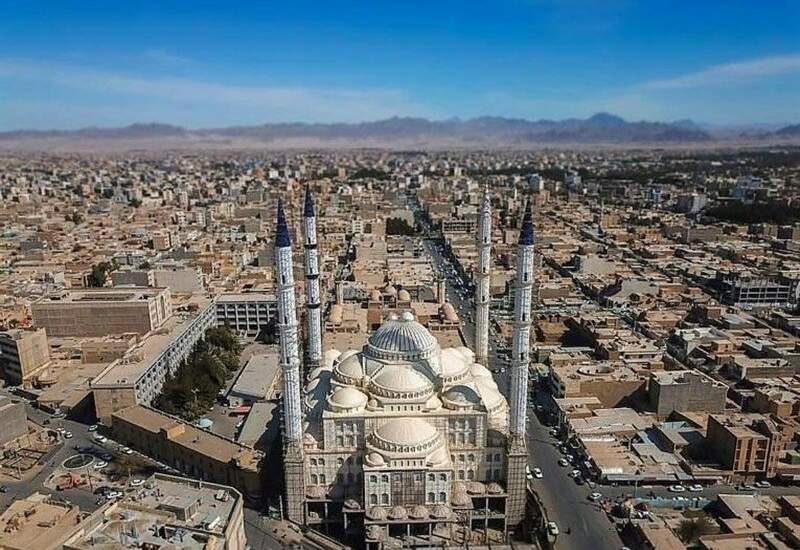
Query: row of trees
x=191, y=391
x=777, y=212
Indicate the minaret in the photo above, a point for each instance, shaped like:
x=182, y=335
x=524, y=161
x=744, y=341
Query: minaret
x=290, y=367
x=482, y=275
x=523, y=297
x=313, y=314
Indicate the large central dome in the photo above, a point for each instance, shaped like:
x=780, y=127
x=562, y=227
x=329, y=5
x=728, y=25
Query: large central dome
x=401, y=339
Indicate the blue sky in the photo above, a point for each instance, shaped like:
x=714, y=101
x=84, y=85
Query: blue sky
x=71, y=64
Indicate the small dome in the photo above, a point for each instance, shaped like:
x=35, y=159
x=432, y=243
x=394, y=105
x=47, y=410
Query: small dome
x=398, y=512
x=449, y=312
x=440, y=512
x=375, y=296
x=494, y=488
x=460, y=397
x=391, y=291
x=454, y=366
x=476, y=488
x=404, y=296
x=316, y=492
x=418, y=512
x=461, y=500
x=405, y=435
x=347, y=399
x=376, y=513
x=375, y=459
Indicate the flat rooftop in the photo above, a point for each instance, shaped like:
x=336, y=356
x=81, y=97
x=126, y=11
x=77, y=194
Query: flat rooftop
x=191, y=437
x=103, y=295
x=127, y=370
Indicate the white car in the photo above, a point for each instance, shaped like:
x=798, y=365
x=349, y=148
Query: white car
x=127, y=451
x=552, y=528
x=563, y=462
x=111, y=495
x=677, y=488
x=93, y=428
x=574, y=473
x=594, y=497
x=537, y=473
x=67, y=435
x=100, y=465
x=100, y=439
x=762, y=484
x=136, y=482
x=696, y=488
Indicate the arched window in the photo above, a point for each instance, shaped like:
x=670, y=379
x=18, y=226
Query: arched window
x=442, y=477
x=385, y=478
x=373, y=479
x=313, y=461
x=339, y=462
x=443, y=497
x=470, y=475
x=431, y=497
x=314, y=479
x=373, y=499
x=322, y=478
x=431, y=477
x=322, y=462
x=461, y=475
x=385, y=498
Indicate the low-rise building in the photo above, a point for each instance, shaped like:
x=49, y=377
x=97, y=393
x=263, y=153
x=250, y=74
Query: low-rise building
x=23, y=353
x=166, y=512
x=685, y=391
x=196, y=452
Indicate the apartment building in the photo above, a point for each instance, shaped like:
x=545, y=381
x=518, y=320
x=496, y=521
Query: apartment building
x=102, y=311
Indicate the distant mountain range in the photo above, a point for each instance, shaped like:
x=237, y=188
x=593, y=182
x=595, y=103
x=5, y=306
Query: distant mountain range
x=602, y=128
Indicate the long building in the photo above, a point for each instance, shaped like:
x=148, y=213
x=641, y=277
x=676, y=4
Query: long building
x=102, y=311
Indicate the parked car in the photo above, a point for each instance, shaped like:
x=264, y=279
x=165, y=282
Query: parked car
x=696, y=488
x=67, y=435
x=136, y=482
x=677, y=488
x=93, y=428
x=537, y=473
x=594, y=497
x=563, y=462
x=763, y=484
x=100, y=465
x=108, y=457
x=552, y=528
x=574, y=473
x=99, y=438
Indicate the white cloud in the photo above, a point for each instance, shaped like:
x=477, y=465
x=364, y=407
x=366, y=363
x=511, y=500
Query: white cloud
x=730, y=73
x=273, y=102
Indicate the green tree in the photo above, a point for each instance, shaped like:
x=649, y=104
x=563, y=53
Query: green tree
x=99, y=274
x=690, y=530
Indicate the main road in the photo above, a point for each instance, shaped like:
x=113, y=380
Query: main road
x=581, y=523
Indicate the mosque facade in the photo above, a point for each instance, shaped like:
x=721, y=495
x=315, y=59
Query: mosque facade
x=402, y=439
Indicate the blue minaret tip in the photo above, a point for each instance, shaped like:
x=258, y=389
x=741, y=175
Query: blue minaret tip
x=281, y=230
x=526, y=233
x=308, y=207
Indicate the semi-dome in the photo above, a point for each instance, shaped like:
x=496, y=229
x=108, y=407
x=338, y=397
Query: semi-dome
x=401, y=338
x=405, y=435
x=396, y=381
x=348, y=369
x=347, y=399
x=461, y=397
x=403, y=296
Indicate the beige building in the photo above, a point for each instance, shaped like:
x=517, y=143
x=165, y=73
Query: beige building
x=13, y=420
x=103, y=311
x=37, y=523
x=23, y=353
x=196, y=452
x=166, y=512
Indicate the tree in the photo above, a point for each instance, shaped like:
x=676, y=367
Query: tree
x=99, y=274
x=398, y=226
x=690, y=530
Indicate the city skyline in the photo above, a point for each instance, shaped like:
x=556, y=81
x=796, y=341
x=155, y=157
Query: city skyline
x=721, y=64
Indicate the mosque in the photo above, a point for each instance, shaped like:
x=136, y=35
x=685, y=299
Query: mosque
x=401, y=441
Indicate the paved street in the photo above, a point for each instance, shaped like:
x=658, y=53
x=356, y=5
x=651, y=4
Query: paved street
x=566, y=502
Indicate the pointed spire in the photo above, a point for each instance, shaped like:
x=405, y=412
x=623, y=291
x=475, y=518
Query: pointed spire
x=281, y=231
x=308, y=208
x=526, y=232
